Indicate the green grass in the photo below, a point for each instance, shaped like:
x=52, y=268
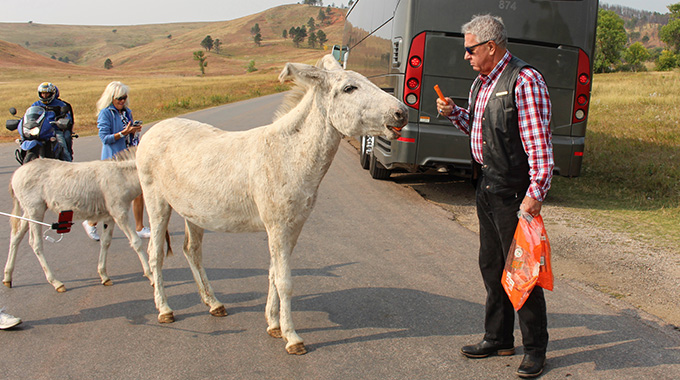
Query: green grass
x=630, y=179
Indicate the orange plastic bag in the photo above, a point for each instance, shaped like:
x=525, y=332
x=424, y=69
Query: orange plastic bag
x=545, y=274
x=528, y=261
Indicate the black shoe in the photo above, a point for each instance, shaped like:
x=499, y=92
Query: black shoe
x=484, y=349
x=531, y=366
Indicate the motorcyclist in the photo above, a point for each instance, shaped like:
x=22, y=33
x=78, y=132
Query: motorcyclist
x=48, y=97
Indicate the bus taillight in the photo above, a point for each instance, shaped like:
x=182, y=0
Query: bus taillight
x=414, y=71
x=412, y=84
x=581, y=100
x=582, y=95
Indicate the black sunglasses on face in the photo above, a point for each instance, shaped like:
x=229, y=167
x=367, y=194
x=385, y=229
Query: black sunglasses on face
x=470, y=49
x=122, y=97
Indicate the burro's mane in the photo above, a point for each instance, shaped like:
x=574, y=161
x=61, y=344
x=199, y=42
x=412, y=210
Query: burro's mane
x=290, y=101
x=294, y=96
x=125, y=155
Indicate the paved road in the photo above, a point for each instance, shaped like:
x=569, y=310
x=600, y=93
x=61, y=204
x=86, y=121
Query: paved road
x=386, y=287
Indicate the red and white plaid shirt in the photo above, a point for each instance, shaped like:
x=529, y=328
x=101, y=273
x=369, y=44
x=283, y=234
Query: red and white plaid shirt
x=534, y=113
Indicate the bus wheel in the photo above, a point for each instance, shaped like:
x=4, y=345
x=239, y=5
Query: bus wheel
x=377, y=170
x=365, y=151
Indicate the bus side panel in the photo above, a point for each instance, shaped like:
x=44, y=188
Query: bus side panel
x=443, y=144
x=552, y=22
x=567, y=152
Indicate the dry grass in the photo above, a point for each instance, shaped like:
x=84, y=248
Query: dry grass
x=160, y=71
x=151, y=98
x=630, y=177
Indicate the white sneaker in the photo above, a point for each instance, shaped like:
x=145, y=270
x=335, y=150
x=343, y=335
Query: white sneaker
x=7, y=321
x=91, y=231
x=144, y=233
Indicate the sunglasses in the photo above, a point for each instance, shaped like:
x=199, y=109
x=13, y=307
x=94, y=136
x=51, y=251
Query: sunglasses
x=121, y=97
x=470, y=49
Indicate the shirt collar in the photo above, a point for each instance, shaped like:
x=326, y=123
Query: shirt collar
x=497, y=70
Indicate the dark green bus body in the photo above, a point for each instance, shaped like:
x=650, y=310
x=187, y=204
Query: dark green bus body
x=555, y=37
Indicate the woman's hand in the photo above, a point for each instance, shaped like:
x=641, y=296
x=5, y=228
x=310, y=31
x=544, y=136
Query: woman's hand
x=129, y=129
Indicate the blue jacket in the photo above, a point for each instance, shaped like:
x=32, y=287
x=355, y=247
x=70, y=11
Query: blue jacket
x=109, y=123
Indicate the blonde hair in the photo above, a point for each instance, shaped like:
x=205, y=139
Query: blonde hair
x=113, y=90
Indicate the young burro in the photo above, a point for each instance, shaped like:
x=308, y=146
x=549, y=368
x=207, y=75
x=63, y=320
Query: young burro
x=97, y=191
x=266, y=178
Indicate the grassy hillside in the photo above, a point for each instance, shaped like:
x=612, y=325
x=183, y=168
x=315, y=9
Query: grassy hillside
x=168, y=48
x=16, y=62
x=84, y=44
x=176, y=55
x=164, y=78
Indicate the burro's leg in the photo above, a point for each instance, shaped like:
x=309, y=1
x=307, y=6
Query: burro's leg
x=37, y=245
x=104, y=243
x=281, y=243
x=193, y=251
x=271, y=310
x=19, y=229
x=121, y=219
x=159, y=216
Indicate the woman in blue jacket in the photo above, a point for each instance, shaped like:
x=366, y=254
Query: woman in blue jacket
x=117, y=133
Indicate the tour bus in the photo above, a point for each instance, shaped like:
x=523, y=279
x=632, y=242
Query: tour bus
x=408, y=46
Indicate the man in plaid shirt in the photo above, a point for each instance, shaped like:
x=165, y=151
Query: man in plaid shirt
x=508, y=122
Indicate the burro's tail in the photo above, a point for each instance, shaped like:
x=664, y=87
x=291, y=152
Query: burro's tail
x=169, y=251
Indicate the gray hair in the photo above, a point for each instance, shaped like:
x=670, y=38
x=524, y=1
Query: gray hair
x=487, y=28
x=113, y=90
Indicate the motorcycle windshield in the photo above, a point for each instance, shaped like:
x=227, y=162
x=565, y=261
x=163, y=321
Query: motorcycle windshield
x=33, y=117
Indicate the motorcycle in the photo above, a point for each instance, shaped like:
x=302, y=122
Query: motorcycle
x=38, y=138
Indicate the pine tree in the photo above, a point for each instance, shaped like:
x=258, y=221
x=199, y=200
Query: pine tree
x=207, y=43
x=201, y=58
x=321, y=37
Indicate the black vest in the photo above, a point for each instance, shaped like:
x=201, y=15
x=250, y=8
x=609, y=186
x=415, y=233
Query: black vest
x=506, y=164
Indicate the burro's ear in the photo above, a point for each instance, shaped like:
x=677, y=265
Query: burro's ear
x=328, y=62
x=303, y=74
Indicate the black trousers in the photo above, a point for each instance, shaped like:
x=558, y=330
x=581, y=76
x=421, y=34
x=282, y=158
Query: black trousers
x=497, y=223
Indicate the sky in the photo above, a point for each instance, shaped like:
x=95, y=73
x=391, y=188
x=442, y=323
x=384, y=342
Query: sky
x=136, y=12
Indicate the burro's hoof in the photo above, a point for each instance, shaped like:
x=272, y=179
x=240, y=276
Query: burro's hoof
x=166, y=318
x=275, y=332
x=219, y=311
x=7, y=284
x=296, y=349
x=61, y=289
x=107, y=282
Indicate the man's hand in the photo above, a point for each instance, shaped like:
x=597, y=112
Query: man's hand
x=531, y=206
x=445, y=108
